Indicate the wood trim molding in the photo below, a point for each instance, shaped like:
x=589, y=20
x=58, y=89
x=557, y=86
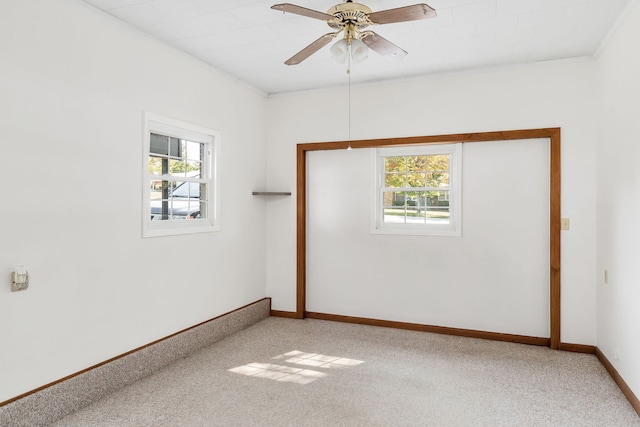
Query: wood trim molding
x=301, y=231
x=469, y=333
x=285, y=314
x=626, y=390
x=553, y=134
x=495, y=336
x=578, y=348
x=554, y=236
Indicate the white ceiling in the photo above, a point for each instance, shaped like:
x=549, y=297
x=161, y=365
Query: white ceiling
x=249, y=40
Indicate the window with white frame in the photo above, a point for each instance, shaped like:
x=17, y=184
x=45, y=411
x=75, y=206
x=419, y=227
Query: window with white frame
x=180, y=182
x=418, y=190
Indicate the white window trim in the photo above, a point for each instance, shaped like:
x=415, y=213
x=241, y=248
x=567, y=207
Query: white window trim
x=171, y=127
x=454, y=228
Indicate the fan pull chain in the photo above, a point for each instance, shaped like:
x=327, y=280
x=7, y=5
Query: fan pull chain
x=349, y=112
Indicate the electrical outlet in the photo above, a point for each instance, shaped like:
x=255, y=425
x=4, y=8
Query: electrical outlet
x=606, y=276
x=19, y=280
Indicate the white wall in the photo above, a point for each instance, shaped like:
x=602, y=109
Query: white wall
x=618, y=190
x=73, y=87
x=541, y=95
x=494, y=277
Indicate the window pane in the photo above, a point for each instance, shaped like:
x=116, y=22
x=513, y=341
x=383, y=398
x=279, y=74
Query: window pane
x=186, y=190
x=416, y=216
x=438, y=206
x=194, y=150
x=411, y=198
x=162, y=187
x=159, y=144
x=438, y=214
x=394, y=215
x=196, y=210
x=437, y=179
x=398, y=198
x=194, y=169
x=394, y=209
x=203, y=193
x=438, y=162
x=421, y=200
x=394, y=180
x=395, y=164
x=387, y=198
x=177, y=167
x=438, y=198
x=155, y=165
x=175, y=146
x=414, y=209
x=156, y=189
x=416, y=179
x=415, y=163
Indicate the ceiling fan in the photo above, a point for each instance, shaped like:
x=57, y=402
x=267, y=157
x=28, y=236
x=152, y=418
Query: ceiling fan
x=353, y=19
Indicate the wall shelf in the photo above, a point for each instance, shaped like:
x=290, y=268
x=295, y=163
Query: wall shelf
x=271, y=193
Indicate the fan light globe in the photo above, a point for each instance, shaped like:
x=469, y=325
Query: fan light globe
x=339, y=51
x=359, y=50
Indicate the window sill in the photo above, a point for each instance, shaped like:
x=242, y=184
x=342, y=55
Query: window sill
x=159, y=229
x=417, y=231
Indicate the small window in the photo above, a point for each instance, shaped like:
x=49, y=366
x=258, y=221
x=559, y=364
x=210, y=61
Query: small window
x=418, y=190
x=180, y=185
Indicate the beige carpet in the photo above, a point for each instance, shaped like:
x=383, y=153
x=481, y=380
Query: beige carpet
x=284, y=372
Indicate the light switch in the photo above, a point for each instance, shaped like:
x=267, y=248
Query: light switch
x=564, y=223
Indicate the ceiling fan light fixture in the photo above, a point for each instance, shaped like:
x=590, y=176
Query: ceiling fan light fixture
x=352, y=18
x=339, y=51
x=359, y=50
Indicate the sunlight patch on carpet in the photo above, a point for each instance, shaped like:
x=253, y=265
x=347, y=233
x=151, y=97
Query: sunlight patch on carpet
x=293, y=374
x=318, y=360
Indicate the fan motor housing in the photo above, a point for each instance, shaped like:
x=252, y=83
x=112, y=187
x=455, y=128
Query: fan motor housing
x=349, y=12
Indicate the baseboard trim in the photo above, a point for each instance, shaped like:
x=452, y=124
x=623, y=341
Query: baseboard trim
x=57, y=399
x=626, y=390
x=578, y=348
x=522, y=339
x=470, y=333
x=286, y=314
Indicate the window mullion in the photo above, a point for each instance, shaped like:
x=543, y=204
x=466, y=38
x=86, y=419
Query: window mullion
x=165, y=190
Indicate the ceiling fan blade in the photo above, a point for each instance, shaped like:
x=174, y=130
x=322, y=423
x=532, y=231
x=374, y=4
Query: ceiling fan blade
x=403, y=14
x=383, y=46
x=310, y=50
x=299, y=10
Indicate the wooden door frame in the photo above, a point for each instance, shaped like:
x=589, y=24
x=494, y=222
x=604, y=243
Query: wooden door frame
x=552, y=134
